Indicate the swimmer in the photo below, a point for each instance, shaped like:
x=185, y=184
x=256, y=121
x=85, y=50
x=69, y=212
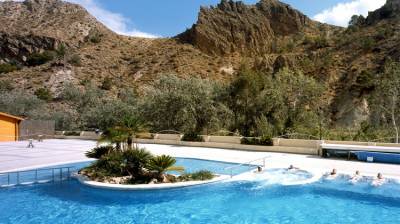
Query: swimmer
x=379, y=180
x=356, y=177
x=259, y=169
x=292, y=168
x=332, y=175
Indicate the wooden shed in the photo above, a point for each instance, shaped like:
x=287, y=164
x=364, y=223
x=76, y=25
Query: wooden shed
x=9, y=127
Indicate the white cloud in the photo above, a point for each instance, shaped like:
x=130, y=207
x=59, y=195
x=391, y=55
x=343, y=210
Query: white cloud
x=341, y=13
x=114, y=21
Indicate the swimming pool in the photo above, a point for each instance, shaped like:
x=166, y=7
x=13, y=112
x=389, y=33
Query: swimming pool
x=239, y=201
x=190, y=165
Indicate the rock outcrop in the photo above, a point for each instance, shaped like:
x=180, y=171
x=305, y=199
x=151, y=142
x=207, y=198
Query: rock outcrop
x=390, y=10
x=60, y=20
x=15, y=47
x=233, y=27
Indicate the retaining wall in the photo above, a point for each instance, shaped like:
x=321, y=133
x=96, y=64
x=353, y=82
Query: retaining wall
x=297, y=146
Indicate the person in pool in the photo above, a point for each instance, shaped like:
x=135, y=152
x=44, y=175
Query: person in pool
x=259, y=169
x=292, y=168
x=332, y=175
x=379, y=180
x=356, y=177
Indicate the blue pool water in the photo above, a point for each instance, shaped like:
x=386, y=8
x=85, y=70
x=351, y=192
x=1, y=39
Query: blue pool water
x=190, y=165
x=229, y=202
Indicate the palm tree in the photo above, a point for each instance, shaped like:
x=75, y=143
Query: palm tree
x=116, y=135
x=135, y=160
x=132, y=125
x=163, y=163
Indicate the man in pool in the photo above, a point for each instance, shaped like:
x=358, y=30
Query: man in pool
x=292, y=168
x=379, y=180
x=332, y=175
x=259, y=169
x=356, y=177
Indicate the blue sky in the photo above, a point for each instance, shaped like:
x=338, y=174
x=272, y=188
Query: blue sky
x=163, y=18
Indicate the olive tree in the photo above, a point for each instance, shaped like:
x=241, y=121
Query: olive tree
x=186, y=105
x=387, y=95
x=19, y=102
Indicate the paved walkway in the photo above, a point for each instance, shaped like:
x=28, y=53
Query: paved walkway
x=15, y=156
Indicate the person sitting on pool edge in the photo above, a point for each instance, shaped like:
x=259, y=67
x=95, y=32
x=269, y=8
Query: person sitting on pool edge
x=379, y=180
x=356, y=177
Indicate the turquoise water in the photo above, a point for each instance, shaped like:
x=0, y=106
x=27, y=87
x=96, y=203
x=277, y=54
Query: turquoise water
x=190, y=165
x=229, y=202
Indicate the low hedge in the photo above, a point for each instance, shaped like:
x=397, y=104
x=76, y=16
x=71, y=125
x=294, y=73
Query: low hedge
x=192, y=137
x=72, y=133
x=265, y=141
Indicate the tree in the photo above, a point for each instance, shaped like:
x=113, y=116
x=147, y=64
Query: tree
x=186, y=105
x=21, y=103
x=283, y=102
x=356, y=20
x=388, y=94
x=115, y=135
x=161, y=164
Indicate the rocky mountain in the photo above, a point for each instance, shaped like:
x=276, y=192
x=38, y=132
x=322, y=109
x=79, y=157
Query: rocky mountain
x=47, y=43
x=233, y=27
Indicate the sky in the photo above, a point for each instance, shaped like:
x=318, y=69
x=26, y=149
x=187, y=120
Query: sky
x=166, y=18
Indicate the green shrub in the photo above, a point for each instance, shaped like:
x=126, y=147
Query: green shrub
x=61, y=51
x=75, y=60
x=44, y=94
x=6, y=68
x=367, y=43
x=40, y=58
x=100, y=151
x=112, y=164
x=95, y=37
x=72, y=133
x=199, y=175
x=6, y=85
x=106, y=84
x=267, y=141
x=202, y=175
x=192, y=137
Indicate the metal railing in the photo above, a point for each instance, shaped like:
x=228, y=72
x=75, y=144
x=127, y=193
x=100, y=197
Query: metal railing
x=26, y=177
x=249, y=164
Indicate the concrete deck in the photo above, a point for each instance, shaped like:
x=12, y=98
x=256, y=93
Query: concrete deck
x=15, y=156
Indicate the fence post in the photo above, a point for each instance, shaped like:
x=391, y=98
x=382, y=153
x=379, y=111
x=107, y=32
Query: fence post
x=36, y=176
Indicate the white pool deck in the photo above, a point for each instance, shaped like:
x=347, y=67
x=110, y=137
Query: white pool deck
x=16, y=156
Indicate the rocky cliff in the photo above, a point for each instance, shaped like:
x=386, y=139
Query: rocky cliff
x=233, y=27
